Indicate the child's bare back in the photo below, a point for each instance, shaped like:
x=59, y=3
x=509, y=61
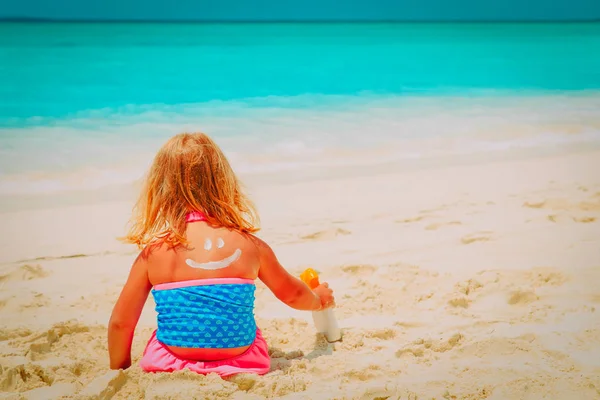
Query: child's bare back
x=213, y=253
x=199, y=260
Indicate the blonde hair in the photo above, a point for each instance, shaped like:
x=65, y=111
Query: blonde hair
x=189, y=173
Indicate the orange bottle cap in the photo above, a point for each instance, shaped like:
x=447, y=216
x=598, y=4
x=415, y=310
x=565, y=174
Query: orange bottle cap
x=310, y=277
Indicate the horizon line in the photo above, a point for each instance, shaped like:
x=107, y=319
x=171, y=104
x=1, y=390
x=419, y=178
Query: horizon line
x=284, y=21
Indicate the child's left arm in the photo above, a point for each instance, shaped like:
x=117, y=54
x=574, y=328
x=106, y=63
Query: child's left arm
x=126, y=314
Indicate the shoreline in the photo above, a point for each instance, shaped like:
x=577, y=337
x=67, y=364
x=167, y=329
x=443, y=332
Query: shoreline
x=256, y=181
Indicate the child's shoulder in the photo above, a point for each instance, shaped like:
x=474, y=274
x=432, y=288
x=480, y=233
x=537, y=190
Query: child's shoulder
x=263, y=249
x=154, y=251
x=259, y=243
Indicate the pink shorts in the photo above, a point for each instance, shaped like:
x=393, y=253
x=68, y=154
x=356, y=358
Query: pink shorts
x=158, y=358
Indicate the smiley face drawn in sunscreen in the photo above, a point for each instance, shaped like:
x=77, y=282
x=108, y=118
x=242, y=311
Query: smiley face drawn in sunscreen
x=212, y=265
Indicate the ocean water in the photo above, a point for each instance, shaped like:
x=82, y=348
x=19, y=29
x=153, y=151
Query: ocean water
x=86, y=106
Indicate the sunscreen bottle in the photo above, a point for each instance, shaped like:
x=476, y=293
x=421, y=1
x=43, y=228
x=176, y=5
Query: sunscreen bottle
x=324, y=320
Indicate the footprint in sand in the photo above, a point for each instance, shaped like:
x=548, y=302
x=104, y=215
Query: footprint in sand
x=359, y=270
x=25, y=273
x=364, y=374
x=500, y=346
x=468, y=286
x=522, y=297
x=409, y=220
x=414, y=351
x=439, y=208
x=464, y=289
x=421, y=346
x=38, y=300
x=425, y=214
x=589, y=206
x=459, y=302
x=545, y=276
x=382, y=334
x=581, y=220
x=549, y=204
x=595, y=298
x=408, y=325
x=433, y=227
x=424, y=297
x=584, y=220
x=553, y=217
x=476, y=237
x=564, y=205
x=326, y=234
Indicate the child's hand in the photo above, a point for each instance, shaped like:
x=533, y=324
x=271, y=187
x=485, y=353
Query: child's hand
x=325, y=295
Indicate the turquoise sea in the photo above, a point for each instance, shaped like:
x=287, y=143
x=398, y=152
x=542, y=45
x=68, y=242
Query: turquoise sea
x=83, y=106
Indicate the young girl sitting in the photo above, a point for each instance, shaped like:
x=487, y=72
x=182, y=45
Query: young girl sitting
x=199, y=258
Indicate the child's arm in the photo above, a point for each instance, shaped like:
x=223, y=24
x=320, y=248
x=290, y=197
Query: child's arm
x=286, y=287
x=126, y=314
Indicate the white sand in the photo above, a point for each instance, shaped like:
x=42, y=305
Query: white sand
x=463, y=282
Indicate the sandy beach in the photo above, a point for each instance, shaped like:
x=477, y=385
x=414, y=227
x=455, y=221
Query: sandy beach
x=470, y=280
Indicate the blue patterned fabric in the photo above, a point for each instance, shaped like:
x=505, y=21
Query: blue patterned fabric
x=206, y=316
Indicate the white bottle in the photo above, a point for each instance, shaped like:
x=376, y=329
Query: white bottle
x=326, y=323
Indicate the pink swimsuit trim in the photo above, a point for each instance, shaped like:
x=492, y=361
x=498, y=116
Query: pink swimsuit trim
x=202, y=282
x=158, y=358
x=195, y=216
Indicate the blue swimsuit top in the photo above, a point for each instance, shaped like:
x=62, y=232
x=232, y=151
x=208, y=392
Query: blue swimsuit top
x=206, y=313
